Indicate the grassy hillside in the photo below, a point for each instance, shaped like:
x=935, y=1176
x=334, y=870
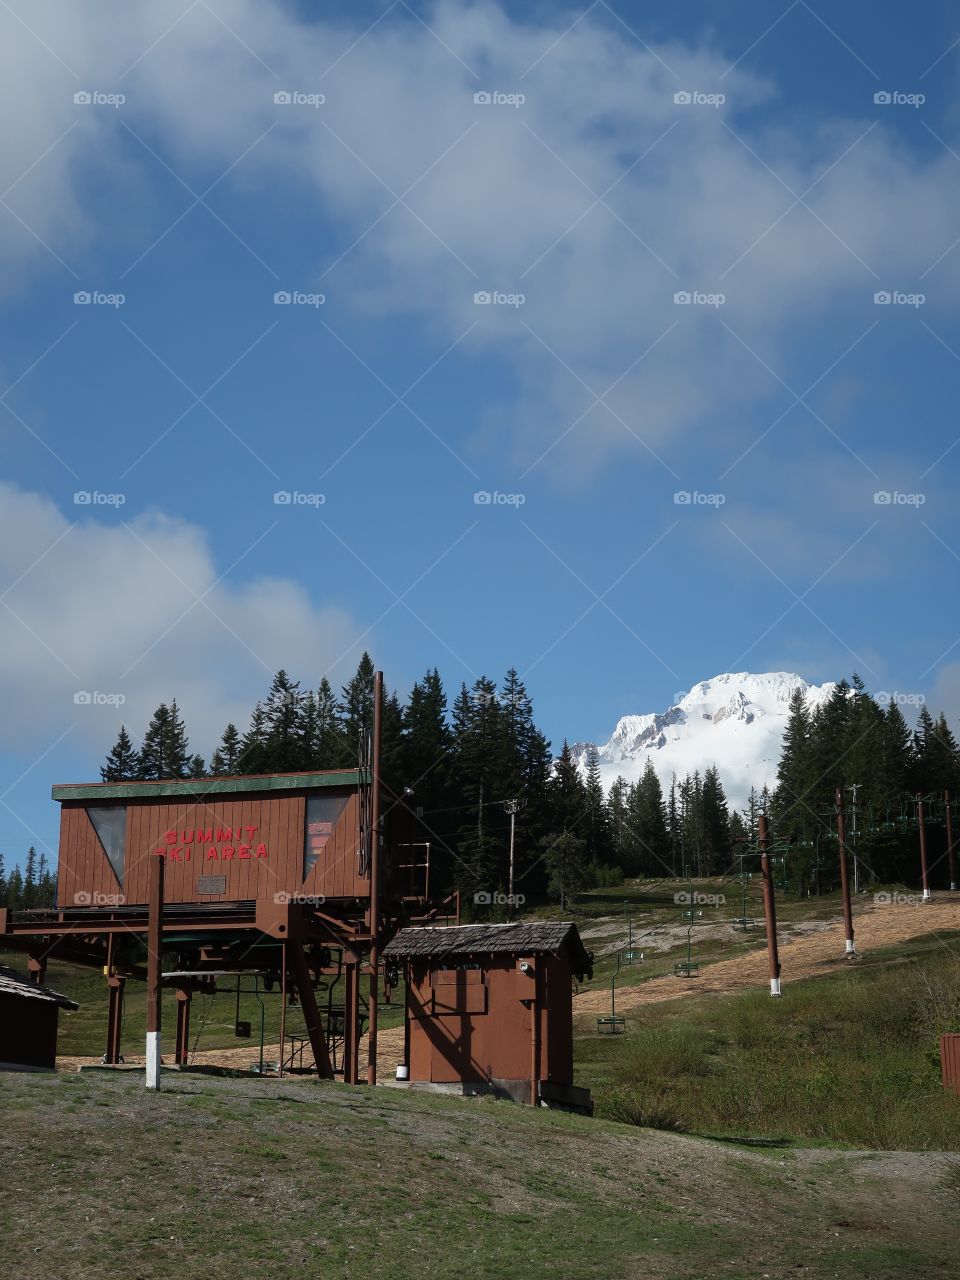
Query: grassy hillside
x=851, y=1059
x=249, y=1179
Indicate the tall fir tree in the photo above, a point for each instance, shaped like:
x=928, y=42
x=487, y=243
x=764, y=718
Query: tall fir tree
x=226, y=759
x=122, y=763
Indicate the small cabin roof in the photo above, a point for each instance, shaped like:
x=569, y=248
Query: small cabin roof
x=239, y=783
x=528, y=938
x=14, y=983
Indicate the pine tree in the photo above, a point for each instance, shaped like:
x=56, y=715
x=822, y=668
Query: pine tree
x=794, y=798
x=29, y=896
x=649, y=820
x=253, y=747
x=596, y=830
x=15, y=890
x=197, y=767
x=619, y=832
x=281, y=713
x=565, y=857
x=330, y=749
x=226, y=758
x=716, y=822
x=3, y=883
x=164, y=753
x=356, y=707
x=122, y=764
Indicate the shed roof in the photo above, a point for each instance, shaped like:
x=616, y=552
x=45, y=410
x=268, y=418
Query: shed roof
x=472, y=939
x=14, y=983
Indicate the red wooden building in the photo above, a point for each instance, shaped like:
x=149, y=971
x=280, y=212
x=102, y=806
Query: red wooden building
x=490, y=1009
x=292, y=876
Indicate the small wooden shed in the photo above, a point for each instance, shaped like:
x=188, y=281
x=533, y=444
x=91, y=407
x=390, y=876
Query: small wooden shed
x=489, y=1009
x=28, y=1022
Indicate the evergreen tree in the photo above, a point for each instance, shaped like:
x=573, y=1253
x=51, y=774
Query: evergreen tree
x=716, y=822
x=596, y=831
x=356, y=708
x=796, y=777
x=330, y=750
x=254, y=755
x=122, y=764
x=281, y=713
x=565, y=857
x=165, y=751
x=650, y=820
x=226, y=758
x=29, y=894
x=197, y=767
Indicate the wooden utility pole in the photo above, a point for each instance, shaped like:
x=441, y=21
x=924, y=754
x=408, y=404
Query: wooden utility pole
x=154, y=950
x=769, y=906
x=374, y=879
x=951, y=852
x=850, y=949
x=922, y=827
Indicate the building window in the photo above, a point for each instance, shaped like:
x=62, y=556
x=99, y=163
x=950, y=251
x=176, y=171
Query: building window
x=110, y=824
x=322, y=815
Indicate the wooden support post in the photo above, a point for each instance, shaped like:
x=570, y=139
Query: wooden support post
x=351, y=1023
x=922, y=827
x=769, y=907
x=182, y=1051
x=311, y=1014
x=115, y=992
x=154, y=953
x=951, y=852
x=283, y=1006
x=851, y=951
x=375, y=879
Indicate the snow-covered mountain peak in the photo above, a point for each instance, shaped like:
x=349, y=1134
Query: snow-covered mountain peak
x=734, y=720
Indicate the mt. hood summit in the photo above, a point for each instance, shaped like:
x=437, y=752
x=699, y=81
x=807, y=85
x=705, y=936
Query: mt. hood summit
x=733, y=721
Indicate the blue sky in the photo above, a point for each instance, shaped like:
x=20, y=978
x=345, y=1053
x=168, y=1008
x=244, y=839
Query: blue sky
x=782, y=196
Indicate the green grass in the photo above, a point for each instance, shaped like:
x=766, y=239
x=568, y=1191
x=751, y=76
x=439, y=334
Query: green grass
x=851, y=1060
x=291, y=1179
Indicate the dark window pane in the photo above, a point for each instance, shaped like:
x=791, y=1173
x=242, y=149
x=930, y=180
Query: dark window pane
x=110, y=824
x=322, y=815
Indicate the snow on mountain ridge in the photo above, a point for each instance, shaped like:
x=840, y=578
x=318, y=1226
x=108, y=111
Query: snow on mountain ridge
x=734, y=720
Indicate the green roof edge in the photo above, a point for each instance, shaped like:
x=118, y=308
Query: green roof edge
x=207, y=786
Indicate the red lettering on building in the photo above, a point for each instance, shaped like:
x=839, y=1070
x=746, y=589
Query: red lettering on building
x=170, y=837
x=243, y=851
x=212, y=853
x=261, y=851
x=228, y=852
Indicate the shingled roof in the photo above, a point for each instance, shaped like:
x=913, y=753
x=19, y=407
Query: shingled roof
x=487, y=939
x=14, y=983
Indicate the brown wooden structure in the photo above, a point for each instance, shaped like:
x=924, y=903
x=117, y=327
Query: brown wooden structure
x=293, y=877
x=28, y=1022
x=490, y=1009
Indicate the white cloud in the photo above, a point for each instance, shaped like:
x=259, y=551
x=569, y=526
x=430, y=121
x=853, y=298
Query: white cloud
x=102, y=609
x=503, y=196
